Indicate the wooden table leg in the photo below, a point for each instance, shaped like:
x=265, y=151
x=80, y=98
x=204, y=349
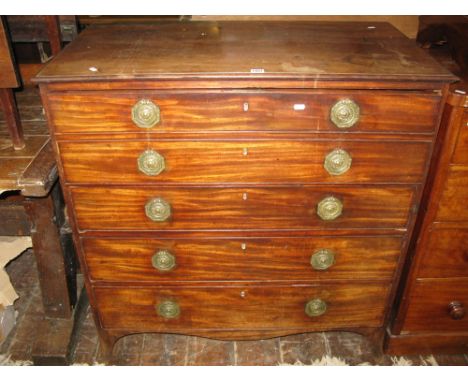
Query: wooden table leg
x=54, y=254
x=13, y=122
x=58, y=339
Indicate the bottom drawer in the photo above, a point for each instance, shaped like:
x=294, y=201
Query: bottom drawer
x=431, y=306
x=242, y=308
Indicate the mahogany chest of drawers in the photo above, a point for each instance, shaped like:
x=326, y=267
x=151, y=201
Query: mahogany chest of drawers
x=432, y=315
x=242, y=180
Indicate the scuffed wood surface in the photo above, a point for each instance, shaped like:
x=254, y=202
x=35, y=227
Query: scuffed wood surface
x=243, y=49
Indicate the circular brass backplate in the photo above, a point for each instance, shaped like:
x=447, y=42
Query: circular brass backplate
x=151, y=163
x=315, y=307
x=329, y=208
x=337, y=162
x=158, y=209
x=168, y=309
x=345, y=113
x=163, y=261
x=145, y=114
x=322, y=259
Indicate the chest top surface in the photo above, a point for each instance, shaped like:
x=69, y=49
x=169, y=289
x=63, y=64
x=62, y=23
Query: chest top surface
x=247, y=50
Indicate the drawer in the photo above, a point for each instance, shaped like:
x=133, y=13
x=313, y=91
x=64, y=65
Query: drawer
x=460, y=155
x=452, y=205
x=248, y=308
x=165, y=208
x=446, y=254
x=217, y=111
x=431, y=309
x=243, y=162
x=301, y=258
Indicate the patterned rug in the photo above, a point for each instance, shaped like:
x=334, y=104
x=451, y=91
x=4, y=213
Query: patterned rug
x=324, y=361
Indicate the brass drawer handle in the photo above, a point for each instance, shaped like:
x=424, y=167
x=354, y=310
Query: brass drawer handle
x=168, y=309
x=151, y=163
x=337, y=162
x=322, y=259
x=158, y=209
x=145, y=114
x=456, y=310
x=315, y=307
x=163, y=261
x=329, y=208
x=345, y=113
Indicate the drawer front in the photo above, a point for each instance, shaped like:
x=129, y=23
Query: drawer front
x=452, y=206
x=243, y=162
x=446, y=254
x=240, y=208
x=460, y=155
x=187, y=111
x=303, y=258
x=430, y=306
x=248, y=307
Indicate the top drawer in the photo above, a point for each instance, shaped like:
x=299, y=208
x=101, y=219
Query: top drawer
x=218, y=111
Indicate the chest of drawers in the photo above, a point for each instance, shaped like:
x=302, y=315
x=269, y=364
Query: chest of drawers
x=242, y=180
x=432, y=315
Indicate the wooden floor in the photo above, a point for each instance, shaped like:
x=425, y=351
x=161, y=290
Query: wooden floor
x=161, y=349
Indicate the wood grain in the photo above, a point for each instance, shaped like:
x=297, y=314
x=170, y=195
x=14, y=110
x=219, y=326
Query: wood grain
x=229, y=49
x=8, y=77
x=250, y=161
x=427, y=343
x=437, y=274
x=460, y=155
x=284, y=208
x=244, y=155
x=405, y=24
x=129, y=260
x=12, y=118
x=446, y=254
x=453, y=199
x=429, y=311
x=212, y=111
x=272, y=307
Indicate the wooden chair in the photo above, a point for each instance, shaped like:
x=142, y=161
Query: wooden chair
x=9, y=78
x=8, y=81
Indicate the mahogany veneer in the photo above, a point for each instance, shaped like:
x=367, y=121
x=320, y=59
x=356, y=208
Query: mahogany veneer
x=211, y=218
x=432, y=315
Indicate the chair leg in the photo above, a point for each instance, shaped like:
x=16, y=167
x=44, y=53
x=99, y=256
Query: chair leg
x=13, y=122
x=53, y=32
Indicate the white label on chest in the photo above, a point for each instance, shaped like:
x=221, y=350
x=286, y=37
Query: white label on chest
x=257, y=70
x=299, y=106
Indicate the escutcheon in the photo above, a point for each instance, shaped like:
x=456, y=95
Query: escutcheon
x=329, y=208
x=337, y=162
x=168, y=309
x=158, y=209
x=322, y=259
x=345, y=113
x=163, y=261
x=151, y=163
x=315, y=307
x=145, y=114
